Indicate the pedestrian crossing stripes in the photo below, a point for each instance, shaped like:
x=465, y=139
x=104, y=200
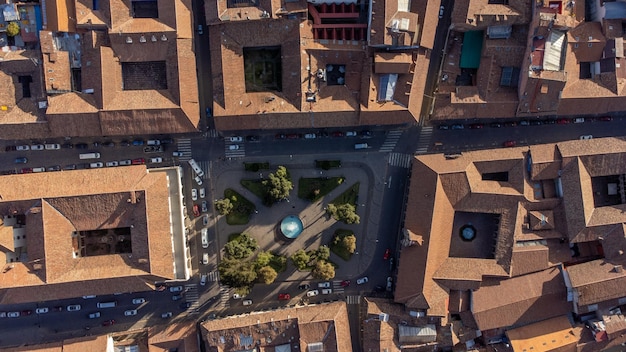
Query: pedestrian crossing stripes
x=184, y=146
x=213, y=276
x=212, y=134
x=236, y=153
x=337, y=288
x=424, y=140
x=400, y=159
x=353, y=299
x=390, y=142
x=224, y=298
x=204, y=165
x=191, y=296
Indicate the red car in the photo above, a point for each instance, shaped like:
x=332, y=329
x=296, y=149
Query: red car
x=27, y=312
x=563, y=121
x=509, y=144
x=387, y=254
x=345, y=283
x=293, y=136
x=26, y=170
x=605, y=118
x=196, y=210
x=337, y=134
x=476, y=126
x=284, y=296
x=108, y=322
x=139, y=161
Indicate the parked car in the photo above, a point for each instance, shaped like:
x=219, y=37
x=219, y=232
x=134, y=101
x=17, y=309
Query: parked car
x=52, y=146
x=524, y=123
x=167, y=141
x=246, y=302
x=94, y=315
x=156, y=160
x=389, y=283
x=281, y=136
x=82, y=146
x=587, y=136
x=579, y=120
x=139, y=300
x=203, y=279
x=362, y=280
x=138, y=142
x=323, y=285
x=177, y=297
x=233, y=147
x=351, y=134
x=235, y=139
x=55, y=168
x=293, y=136
x=310, y=136
x=475, y=126
x=284, y=296
x=536, y=122
x=22, y=147
x=37, y=147
x=130, y=312
x=126, y=162
x=205, y=238
x=605, y=118
x=387, y=254
x=509, y=144
x=70, y=167
x=96, y=165
x=205, y=258
x=495, y=125
x=42, y=310
x=138, y=161
x=345, y=283
x=21, y=160
x=252, y=138
x=202, y=192
x=166, y=315
x=205, y=220
x=196, y=210
x=237, y=296
x=304, y=286
x=327, y=291
x=366, y=134
x=443, y=126
x=457, y=126
x=108, y=322
x=563, y=121
x=337, y=134
x=108, y=144
x=124, y=143
x=67, y=146
x=112, y=163
x=73, y=307
x=176, y=289
x=27, y=312
x=204, y=207
x=153, y=142
x=198, y=180
x=441, y=9
x=10, y=148
x=177, y=154
x=312, y=293
x=13, y=314
x=199, y=29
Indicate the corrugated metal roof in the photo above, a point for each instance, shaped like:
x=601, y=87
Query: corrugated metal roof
x=554, y=50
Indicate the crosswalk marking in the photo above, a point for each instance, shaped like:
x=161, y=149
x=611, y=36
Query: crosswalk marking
x=224, y=297
x=353, y=299
x=239, y=153
x=191, y=296
x=212, y=134
x=400, y=159
x=390, y=142
x=337, y=288
x=424, y=139
x=213, y=276
x=184, y=145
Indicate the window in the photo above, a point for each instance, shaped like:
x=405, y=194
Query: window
x=496, y=176
x=94, y=5
x=25, y=81
x=145, y=9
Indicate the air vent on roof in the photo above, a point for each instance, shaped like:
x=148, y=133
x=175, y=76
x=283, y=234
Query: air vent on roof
x=618, y=268
x=129, y=40
x=163, y=38
x=142, y=39
x=153, y=39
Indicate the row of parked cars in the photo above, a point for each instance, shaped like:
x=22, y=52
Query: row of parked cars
x=55, y=146
x=496, y=124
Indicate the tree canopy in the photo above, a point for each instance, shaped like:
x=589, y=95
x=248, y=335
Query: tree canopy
x=224, y=206
x=344, y=212
x=278, y=184
x=300, y=259
x=323, y=270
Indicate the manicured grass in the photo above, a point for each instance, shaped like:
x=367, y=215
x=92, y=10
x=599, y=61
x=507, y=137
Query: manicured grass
x=242, y=208
x=315, y=188
x=338, y=249
x=327, y=164
x=255, y=167
x=278, y=263
x=254, y=186
x=349, y=196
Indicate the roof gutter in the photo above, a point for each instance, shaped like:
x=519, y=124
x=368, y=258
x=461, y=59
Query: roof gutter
x=369, y=21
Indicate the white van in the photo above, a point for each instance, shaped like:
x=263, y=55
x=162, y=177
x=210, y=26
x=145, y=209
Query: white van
x=205, y=258
x=361, y=146
x=111, y=304
x=154, y=142
x=195, y=167
x=39, y=169
x=52, y=146
x=205, y=238
x=89, y=156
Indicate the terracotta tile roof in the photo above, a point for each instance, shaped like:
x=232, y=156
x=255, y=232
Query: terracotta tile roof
x=79, y=344
x=520, y=300
x=326, y=323
x=587, y=41
x=384, y=14
x=597, y=281
x=20, y=109
x=480, y=14
x=180, y=335
x=88, y=200
x=548, y=335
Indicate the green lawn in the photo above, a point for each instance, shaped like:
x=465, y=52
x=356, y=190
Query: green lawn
x=307, y=187
x=242, y=208
x=338, y=249
x=254, y=186
x=349, y=196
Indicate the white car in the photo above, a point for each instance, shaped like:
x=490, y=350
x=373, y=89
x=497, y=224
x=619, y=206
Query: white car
x=37, y=147
x=587, y=136
x=153, y=142
x=112, y=163
x=126, y=162
x=22, y=147
x=233, y=147
x=351, y=134
x=236, y=296
x=327, y=291
x=176, y=288
x=198, y=180
x=389, y=283
x=202, y=193
x=205, y=238
x=312, y=293
x=235, y=139
x=362, y=280
x=166, y=315
x=94, y=315
x=324, y=285
x=194, y=194
x=13, y=314
x=205, y=258
x=441, y=9
x=139, y=300
x=247, y=302
x=177, y=154
x=156, y=160
x=203, y=279
x=310, y=136
x=73, y=307
x=42, y=310
x=130, y=312
x=96, y=165
x=52, y=146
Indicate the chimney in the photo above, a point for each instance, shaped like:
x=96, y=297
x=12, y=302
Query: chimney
x=618, y=268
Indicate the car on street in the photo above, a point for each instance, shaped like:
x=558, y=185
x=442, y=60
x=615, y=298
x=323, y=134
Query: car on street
x=176, y=289
x=475, y=126
x=235, y=139
x=205, y=238
x=54, y=168
x=366, y=134
x=587, y=136
x=524, y=123
x=26, y=170
x=284, y=296
x=203, y=278
x=126, y=162
x=389, y=283
x=205, y=258
x=202, y=192
x=130, y=312
x=579, y=120
x=73, y=307
x=167, y=141
x=108, y=322
x=324, y=284
x=310, y=136
x=457, y=126
x=387, y=254
x=233, y=147
x=139, y=300
x=345, y=283
x=10, y=148
x=293, y=136
x=21, y=160
x=96, y=165
x=67, y=146
x=177, y=297
x=362, y=280
x=112, y=163
x=246, y=302
x=124, y=143
x=563, y=121
x=138, y=161
x=196, y=210
x=205, y=220
x=536, y=122
x=327, y=291
x=27, y=312
x=351, y=134
x=204, y=207
x=37, y=147
x=337, y=134
x=443, y=126
x=194, y=194
x=13, y=314
x=441, y=9
x=94, y=315
x=22, y=147
x=108, y=144
x=52, y=146
x=57, y=309
x=237, y=296
x=281, y=136
x=166, y=315
x=252, y=138
x=312, y=293
x=177, y=154
x=495, y=125
x=605, y=118
x=81, y=145
x=42, y=310
x=509, y=144
x=156, y=160
x=138, y=142
x=185, y=305
x=304, y=286
x=70, y=167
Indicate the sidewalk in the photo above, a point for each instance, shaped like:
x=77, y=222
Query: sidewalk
x=318, y=227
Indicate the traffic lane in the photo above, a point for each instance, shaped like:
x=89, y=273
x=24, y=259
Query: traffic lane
x=311, y=146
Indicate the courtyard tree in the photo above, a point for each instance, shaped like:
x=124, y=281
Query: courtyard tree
x=322, y=253
x=263, y=259
x=300, y=259
x=278, y=185
x=323, y=270
x=241, y=248
x=343, y=212
x=13, y=29
x=236, y=273
x=224, y=206
x=349, y=243
x=267, y=274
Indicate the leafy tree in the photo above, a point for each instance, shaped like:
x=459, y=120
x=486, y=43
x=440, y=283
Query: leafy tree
x=278, y=184
x=323, y=270
x=235, y=273
x=349, y=243
x=263, y=259
x=300, y=259
x=267, y=274
x=248, y=242
x=322, y=253
x=343, y=212
x=241, y=248
x=224, y=206
x=13, y=29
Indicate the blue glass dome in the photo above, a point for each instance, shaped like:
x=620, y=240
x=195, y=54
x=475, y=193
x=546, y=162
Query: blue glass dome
x=291, y=226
